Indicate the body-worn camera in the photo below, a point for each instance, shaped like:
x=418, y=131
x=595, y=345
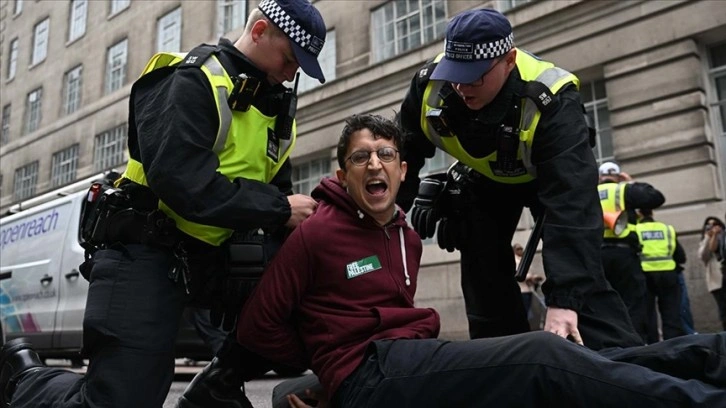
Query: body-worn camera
x=243, y=93
x=438, y=120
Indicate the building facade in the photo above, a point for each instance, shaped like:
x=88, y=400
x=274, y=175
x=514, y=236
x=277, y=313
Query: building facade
x=653, y=74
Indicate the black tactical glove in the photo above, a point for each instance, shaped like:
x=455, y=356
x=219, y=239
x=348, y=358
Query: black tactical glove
x=249, y=253
x=427, y=206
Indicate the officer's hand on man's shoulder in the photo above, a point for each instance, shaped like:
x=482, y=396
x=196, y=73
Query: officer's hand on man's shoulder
x=301, y=207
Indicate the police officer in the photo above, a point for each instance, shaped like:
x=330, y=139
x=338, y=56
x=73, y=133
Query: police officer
x=210, y=136
x=660, y=256
x=517, y=127
x=619, y=194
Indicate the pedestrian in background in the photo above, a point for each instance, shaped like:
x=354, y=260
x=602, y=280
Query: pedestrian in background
x=715, y=277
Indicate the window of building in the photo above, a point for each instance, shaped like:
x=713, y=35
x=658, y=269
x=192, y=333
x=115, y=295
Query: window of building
x=72, y=82
x=307, y=175
x=63, y=166
x=399, y=26
x=17, y=7
x=717, y=74
x=5, y=132
x=169, y=31
x=327, y=60
x=231, y=14
x=33, y=110
x=118, y=5
x=505, y=5
x=40, y=42
x=110, y=148
x=13, y=58
x=117, y=56
x=77, y=23
x=26, y=178
x=596, y=106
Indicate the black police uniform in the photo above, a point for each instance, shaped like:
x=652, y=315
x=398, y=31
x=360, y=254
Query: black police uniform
x=621, y=257
x=565, y=185
x=133, y=307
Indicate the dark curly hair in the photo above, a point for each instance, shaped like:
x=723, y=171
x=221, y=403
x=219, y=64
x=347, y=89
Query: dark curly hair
x=382, y=128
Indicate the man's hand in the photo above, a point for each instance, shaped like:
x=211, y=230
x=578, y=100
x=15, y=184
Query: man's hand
x=301, y=207
x=296, y=402
x=563, y=322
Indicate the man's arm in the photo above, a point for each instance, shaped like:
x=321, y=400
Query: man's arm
x=265, y=323
x=417, y=147
x=177, y=126
x=680, y=254
x=567, y=179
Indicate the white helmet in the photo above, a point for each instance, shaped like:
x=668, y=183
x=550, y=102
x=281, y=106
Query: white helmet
x=609, y=168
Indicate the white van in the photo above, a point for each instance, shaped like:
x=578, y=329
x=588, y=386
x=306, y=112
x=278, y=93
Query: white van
x=43, y=295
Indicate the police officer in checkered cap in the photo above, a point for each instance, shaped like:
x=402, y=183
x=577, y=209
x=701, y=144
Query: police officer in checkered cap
x=516, y=126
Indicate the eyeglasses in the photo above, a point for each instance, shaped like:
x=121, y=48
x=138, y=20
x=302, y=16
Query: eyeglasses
x=362, y=157
x=480, y=81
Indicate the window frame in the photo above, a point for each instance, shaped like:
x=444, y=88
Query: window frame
x=380, y=44
x=29, y=173
x=116, y=75
x=118, y=6
x=109, y=148
x=72, y=87
x=13, y=50
x=41, y=33
x=17, y=7
x=592, y=109
x=64, y=165
x=5, y=124
x=169, y=31
x=33, y=110
x=305, y=185
x=236, y=18
x=328, y=54
x=77, y=19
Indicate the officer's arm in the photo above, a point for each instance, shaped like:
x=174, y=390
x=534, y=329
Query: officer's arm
x=680, y=254
x=416, y=146
x=177, y=126
x=642, y=195
x=567, y=179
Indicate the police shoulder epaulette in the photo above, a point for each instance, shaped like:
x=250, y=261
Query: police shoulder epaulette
x=424, y=72
x=197, y=56
x=541, y=95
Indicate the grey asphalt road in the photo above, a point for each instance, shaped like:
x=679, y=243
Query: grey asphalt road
x=259, y=391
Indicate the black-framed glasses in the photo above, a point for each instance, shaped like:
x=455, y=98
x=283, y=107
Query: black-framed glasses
x=362, y=157
x=480, y=81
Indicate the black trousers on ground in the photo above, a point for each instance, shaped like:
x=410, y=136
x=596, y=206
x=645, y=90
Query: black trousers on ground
x=538, y=369
x=129, y=330
x=491, y=295
x=622, y=269
x=665, y=291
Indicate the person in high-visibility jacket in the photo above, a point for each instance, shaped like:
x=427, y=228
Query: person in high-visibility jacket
x=620, y=247
x=660, y=256
x=210, y=136
x=517, y=126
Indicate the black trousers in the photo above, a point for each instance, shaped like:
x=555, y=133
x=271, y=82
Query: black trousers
x=622, y=269
x=129, y=330
x=665, y=291
x=538, y=369
x=491, y=295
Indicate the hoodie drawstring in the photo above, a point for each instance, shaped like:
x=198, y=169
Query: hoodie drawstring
x=403, y=254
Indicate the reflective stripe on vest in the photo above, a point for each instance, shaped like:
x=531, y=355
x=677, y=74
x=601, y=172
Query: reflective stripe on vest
x=530, y=69
x=241, y=149
x=612, y=199
x=659, y=245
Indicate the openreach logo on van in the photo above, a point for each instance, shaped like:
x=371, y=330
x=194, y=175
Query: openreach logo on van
x=41, y=224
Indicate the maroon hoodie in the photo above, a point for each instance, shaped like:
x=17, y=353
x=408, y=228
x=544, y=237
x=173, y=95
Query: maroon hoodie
x=339, y=282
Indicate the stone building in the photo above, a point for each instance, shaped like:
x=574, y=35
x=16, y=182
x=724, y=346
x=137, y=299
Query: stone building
x=653, y=73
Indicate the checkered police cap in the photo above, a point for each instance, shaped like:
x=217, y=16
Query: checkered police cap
x=474, y=39
x=304, y=26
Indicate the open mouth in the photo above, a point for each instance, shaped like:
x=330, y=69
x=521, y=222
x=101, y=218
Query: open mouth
x=376, y=187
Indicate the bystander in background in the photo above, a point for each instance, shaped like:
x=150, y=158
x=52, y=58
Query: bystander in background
x=712, y=227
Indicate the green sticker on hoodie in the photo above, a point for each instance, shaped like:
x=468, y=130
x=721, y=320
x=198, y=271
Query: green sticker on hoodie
x=362, y=267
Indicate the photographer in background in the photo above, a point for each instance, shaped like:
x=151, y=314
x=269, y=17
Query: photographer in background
x=708, y=251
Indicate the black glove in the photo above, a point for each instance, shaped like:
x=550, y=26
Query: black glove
x=427, y=205
x=249, y=253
